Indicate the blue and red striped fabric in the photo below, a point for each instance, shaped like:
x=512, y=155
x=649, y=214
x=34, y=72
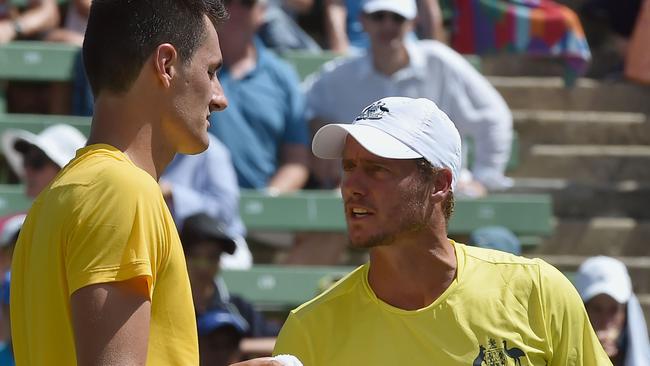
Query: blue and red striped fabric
x=533, y=27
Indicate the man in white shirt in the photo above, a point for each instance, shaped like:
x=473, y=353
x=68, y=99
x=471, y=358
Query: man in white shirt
x=395, y=65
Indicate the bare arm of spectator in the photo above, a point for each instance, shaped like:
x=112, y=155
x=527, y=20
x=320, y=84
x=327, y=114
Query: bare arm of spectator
x=111, y=323
x=299, y=6
x=83, y=7
x=38, y=18
x=293, y=171
x=335, y=30
x=430, y=20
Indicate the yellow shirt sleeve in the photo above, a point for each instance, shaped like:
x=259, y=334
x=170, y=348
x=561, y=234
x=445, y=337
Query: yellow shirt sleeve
x=573, y=340
x=114, y=235
x=294, y=340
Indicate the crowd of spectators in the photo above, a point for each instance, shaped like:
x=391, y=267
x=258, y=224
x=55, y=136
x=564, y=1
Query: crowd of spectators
x=261, y=141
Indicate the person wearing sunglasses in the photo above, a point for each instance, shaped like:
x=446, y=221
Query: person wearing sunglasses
x=396, y=65
x=37, y=158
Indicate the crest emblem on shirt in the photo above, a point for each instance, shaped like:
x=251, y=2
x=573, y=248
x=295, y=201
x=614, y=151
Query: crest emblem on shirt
x=494, y=355
x=374, y=111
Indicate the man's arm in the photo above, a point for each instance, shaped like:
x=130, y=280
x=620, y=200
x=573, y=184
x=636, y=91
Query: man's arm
x=38, y=18
x=293, y=171
x=111, y=323
x=335, y=29
x=430, y=20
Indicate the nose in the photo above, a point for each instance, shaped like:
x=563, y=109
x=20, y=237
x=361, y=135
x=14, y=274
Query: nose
x=218, y=101
x=352, y=183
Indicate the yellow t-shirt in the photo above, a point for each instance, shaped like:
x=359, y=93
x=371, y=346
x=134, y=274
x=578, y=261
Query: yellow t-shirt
x=499, y=310
x=101, y=220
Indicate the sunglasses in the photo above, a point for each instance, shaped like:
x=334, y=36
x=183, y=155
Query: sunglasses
x=379, y=16
x=35, y=158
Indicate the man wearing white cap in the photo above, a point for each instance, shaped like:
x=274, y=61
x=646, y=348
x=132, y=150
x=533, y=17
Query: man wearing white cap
x=424, y=299
x=37, y=159
x=615, y=313
x=397, y=65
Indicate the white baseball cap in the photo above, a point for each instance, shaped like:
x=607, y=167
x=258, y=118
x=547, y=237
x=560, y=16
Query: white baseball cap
x=397, y=128
x=603, y=275
x=59, y=142
x=406, y=8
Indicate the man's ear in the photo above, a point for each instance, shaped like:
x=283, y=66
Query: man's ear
x=165, y=63
x=442, y=184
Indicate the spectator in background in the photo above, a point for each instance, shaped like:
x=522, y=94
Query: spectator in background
x=37, y=159
x=74, y=27
x=614, y=311
x=204, y=241
x=9, y=230
x=264, y=126
x=207, y=183
x=280, y=31
x=497, y=238
x=38, y=17
x=220, y=334
x=345, y=32
x=396, y=66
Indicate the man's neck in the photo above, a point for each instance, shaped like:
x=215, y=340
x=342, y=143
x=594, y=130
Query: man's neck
x=126, y=128
x=389, y=60
x=412, y=274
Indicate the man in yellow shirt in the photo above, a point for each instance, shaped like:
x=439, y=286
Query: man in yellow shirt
x=424, y=299
x=99, y=276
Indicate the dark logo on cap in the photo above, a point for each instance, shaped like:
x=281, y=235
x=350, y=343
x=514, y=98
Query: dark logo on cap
x=374, y=111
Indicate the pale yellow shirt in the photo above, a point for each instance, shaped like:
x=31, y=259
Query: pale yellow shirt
x=102, y=219
x=500, y=310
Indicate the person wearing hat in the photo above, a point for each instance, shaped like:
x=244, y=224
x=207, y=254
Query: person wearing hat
x=615, y=313
x=395, y=65
x=38, y=158
x=423, y=299
x=220, y=333
x=204, y=242
x=344, y=32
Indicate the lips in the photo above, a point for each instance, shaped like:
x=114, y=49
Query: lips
x=357, y=212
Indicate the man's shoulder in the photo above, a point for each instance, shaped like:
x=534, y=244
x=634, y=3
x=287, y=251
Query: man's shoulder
x=104, y=171
x=336, y=294
x=511, y=268
x=339, y=70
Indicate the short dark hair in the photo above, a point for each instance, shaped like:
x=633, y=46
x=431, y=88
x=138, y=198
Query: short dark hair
x=122, y=34
x=428, y=173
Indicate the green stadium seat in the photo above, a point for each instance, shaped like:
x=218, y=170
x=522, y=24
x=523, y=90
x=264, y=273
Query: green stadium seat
x=37, y=122
x=277, y=288
x=37, y=61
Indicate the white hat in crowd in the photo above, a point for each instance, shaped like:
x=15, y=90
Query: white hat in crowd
x=406, y=8
x=603, y=275
x=397, y=128
x=59, y=142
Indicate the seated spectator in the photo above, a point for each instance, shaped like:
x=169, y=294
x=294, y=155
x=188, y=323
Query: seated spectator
x=9, y=230
x=396, y=66
x=32, y=22
x=74, y=27
x=37, y=159
x=263, y=126
x=497, y=238
x=206, y=182
x=280, y=32
x=614, y=311
x=204, y=241
x=345, y=33
x=220, y=333
x=531, y=27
